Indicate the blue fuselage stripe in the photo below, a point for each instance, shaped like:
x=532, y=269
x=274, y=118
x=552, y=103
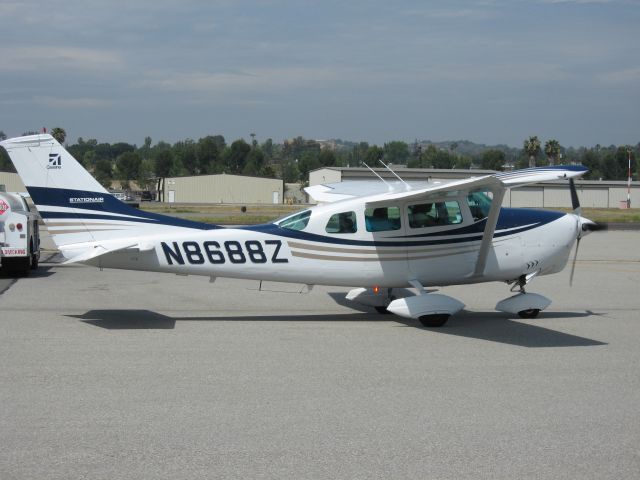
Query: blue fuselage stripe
x=104, y=205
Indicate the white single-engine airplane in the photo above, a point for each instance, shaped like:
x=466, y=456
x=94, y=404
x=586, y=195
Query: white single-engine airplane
x=380, y=237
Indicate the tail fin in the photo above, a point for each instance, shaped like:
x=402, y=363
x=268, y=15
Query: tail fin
x=73, y=205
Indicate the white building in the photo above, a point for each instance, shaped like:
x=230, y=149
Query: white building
x=596, y=194
x=222, y=188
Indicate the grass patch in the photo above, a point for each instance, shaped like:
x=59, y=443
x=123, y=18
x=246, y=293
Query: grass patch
x=223, y=214
x=278, y=210
x=234, y=219
x=607, y=215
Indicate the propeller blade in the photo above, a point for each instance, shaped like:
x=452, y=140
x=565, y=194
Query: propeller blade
x=575, y=202
x=573, y=265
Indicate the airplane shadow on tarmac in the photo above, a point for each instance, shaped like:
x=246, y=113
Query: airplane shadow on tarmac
x=489, y=326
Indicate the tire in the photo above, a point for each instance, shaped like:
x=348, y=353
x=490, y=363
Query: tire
x=530, y=313
x=34, y=262
x=34, y=256
x=383, y=309
x=434, y=321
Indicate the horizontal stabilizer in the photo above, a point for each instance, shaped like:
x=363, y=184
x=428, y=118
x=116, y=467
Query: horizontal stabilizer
x=97, y=250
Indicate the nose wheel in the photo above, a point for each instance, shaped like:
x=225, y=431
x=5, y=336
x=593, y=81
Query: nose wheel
x=519, y=285
x=529, y=313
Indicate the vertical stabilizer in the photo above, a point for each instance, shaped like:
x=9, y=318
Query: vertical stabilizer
x=75, y=208
x=42, y=162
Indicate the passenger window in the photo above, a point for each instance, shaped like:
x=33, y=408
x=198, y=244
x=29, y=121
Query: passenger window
x=344, y=222
x=296, y=222
x=382, y=219
x=434, y=214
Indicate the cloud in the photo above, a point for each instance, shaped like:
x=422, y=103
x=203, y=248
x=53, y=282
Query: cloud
x=254, y=79
x=39, y=58
x=581, y=1
x=620, y=77
x=57, y=102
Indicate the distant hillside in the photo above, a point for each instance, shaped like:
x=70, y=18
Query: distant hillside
x=462, y=147
x=465, y=147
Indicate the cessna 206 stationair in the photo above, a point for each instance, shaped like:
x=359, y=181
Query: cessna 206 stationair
x=377, y=236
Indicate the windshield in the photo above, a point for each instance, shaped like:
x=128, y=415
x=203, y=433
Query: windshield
x=479, y=204
x=297, y=221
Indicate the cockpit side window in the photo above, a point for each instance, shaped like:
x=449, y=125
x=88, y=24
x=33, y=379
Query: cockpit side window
x=344, y=222
x=434, y=214
x=479, y=204
x=299, y=221
x=382, y=219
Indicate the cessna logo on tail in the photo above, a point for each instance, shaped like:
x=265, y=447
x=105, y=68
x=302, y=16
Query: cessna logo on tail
x=55, y=161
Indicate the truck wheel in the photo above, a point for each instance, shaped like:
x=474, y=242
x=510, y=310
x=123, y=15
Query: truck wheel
x=34, y=257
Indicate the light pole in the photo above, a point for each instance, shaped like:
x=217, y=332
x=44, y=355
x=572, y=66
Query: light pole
x=629, y=181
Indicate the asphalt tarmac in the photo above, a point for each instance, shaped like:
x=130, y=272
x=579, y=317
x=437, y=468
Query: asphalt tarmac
x=125, y=375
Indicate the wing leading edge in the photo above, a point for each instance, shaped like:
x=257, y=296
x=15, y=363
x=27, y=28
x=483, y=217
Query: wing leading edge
x=333, y=192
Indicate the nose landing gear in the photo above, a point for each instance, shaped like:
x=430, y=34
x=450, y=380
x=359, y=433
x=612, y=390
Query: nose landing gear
x=526, y=305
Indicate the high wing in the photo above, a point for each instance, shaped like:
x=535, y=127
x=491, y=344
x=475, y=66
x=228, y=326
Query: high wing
x=497, y=184
x=333, y=192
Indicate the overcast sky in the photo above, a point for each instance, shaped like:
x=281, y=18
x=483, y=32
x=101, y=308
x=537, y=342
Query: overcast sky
x=490, y=71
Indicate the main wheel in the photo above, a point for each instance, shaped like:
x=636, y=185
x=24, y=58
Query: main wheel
x=436, y=320
x=530, y=313
x=383, y=309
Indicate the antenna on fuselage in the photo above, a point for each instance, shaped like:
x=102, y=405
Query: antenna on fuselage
x=406, y=185
x=376, y=174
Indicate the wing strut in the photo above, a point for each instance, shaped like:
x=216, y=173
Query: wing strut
x=489, y=230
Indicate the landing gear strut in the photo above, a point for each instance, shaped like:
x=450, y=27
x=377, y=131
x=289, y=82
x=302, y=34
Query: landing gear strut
x=529, y=312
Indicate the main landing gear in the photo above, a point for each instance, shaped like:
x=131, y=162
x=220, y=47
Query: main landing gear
x=430, y=309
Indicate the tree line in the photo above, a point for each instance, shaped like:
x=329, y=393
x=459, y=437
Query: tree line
x=293, y=159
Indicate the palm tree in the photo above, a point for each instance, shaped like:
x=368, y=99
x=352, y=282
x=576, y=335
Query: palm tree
x=532, y=148
x=59, y=134
x=552, y=151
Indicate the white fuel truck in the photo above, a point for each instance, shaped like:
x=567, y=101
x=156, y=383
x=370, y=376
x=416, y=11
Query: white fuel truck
x=19, y=235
